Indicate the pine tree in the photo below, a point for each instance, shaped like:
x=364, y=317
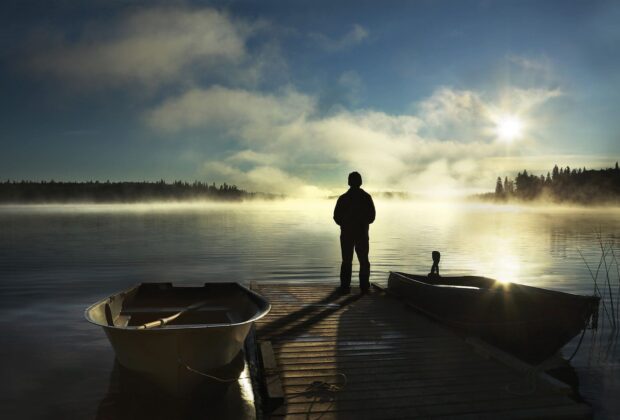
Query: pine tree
x=499, y=189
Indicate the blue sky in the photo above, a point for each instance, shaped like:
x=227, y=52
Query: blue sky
x=291, y=96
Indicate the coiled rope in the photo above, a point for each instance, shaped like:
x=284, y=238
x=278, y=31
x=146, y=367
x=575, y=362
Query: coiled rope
x=321, y=391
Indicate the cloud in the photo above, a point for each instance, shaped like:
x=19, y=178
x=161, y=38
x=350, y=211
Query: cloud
x=351, y=85
x=466, y=116
x=282, y=142
x=522, y=101
x=230, y=109
x=540, y=64
x=450, y=114
x=262, y=179
x=356, y=35
x=533, y=71
x=252, y=157
x=149, y=47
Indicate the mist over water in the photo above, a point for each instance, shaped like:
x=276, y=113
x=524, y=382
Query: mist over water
x=57, y=259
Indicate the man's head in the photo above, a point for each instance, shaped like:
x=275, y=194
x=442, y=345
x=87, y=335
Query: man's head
x=355, y=180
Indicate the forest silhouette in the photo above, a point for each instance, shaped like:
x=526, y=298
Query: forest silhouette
x=582, y=186
x=120, y=192
x=560, y=185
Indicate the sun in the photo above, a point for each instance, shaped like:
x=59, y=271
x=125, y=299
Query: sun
x=508, y=128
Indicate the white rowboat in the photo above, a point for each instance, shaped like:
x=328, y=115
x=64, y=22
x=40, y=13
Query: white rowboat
x=173, y=334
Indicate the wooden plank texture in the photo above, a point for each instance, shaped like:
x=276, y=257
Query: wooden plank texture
x=369, y=356
x=271, y=376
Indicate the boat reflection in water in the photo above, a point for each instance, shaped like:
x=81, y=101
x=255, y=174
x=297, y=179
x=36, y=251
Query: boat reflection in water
x=529, y=322
x=131, y=396
x=180, y=338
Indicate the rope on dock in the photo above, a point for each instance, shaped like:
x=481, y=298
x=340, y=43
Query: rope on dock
x=321, y=391
x=322, y=388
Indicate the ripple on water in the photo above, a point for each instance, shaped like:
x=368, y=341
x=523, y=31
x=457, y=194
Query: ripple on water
x=56, y=260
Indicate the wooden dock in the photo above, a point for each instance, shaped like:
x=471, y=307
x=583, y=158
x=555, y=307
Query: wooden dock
x=330, y=356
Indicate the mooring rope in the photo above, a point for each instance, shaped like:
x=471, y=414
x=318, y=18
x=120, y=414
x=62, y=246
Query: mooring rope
x=206, y=375
x=531, y=378
x=583, y=333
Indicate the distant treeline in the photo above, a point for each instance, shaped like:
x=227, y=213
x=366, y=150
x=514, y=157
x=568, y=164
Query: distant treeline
x=386, y=195
x=583, y=186
x=120, y=192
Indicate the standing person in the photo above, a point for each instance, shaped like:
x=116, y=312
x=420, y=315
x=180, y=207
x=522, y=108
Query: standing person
x=353, y=213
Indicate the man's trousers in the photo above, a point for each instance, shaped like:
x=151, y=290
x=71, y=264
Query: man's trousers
x=358, y=241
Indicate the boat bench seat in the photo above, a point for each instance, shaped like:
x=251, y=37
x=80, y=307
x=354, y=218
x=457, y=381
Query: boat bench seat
x=171, y=309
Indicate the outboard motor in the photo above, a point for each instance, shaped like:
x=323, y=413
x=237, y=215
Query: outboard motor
x=435, y=267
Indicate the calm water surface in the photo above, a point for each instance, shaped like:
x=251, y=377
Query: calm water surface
x=56, y=260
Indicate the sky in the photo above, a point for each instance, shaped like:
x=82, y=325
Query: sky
x=429, y=97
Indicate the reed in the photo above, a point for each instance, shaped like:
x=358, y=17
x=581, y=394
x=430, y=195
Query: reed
x=603, y=343
x=607, y=268
x=615, y=261
x=604, y=284
x=594, y=276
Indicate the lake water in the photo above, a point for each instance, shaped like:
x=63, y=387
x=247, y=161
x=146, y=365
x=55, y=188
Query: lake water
x=55, y=260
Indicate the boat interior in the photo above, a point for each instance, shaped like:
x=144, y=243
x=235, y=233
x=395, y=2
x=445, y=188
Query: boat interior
x=211, y=305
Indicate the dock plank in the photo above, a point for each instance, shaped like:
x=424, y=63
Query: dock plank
x=369, y=356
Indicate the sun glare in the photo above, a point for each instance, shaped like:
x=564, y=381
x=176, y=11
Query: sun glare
x=509, y=128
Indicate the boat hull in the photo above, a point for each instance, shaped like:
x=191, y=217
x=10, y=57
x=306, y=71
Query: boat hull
x=165, y=356
x=529, y=322
x=177, y=357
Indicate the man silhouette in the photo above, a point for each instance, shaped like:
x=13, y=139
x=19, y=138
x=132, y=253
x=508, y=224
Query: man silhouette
x=353, y=213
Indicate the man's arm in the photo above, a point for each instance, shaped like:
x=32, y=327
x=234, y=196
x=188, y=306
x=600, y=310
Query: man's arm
x=371, y=210
x=338, y=212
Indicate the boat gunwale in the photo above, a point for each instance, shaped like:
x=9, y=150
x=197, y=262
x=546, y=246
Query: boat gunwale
x=491, y=290
x=253, y=294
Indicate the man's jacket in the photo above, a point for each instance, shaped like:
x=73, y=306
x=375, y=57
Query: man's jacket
x=354, y=210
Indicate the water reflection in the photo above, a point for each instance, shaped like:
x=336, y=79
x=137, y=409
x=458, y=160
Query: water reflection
x=131, y=397
x=56, y=260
